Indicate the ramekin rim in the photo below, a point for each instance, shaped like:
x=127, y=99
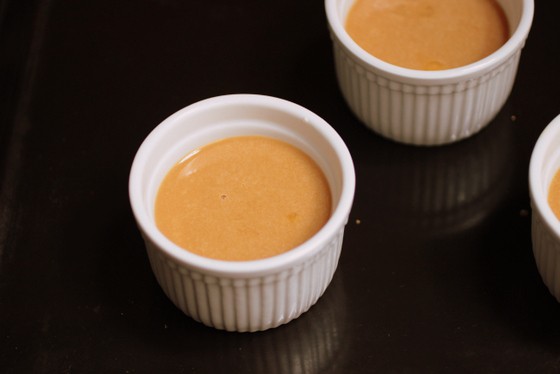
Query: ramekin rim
x=266, y=266
x=539, y=199
x=514, y=43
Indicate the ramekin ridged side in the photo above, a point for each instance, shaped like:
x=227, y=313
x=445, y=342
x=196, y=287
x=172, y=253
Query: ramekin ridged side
x=546, y=250
x=247, y=303
x=422, y=114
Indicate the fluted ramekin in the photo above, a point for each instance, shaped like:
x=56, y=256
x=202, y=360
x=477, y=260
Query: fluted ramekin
x=545, y=228
x=243, y=295
x=426, y=107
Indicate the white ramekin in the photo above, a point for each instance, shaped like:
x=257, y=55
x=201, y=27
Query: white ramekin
x=426, y=107
x=545, y=162
x=245, y=295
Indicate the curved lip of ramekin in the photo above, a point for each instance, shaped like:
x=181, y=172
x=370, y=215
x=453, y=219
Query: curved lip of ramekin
x=536, y=189
x=515, y=42
x=261, y=267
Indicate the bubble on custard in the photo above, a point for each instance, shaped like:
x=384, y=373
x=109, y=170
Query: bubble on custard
x=292, y=217
x=434, y=65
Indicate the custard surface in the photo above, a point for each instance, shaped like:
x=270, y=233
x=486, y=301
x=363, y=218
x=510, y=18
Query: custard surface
x=554, y=194
x=428, y=34
x=243, y=198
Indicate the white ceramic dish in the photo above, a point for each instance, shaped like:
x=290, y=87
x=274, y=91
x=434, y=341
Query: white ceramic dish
x=427, y=107
x=248, y=295
x=545, y=162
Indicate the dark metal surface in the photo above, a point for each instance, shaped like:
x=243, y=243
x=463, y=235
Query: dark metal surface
x=436, y=274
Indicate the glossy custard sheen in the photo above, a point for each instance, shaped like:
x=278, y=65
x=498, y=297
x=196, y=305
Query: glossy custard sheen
x=243, y=198
x=554, y=194
x=428, y=34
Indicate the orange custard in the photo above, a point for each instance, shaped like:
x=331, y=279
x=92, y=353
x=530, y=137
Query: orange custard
x=428, y=34
x=554, y=194
x=243, y=198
